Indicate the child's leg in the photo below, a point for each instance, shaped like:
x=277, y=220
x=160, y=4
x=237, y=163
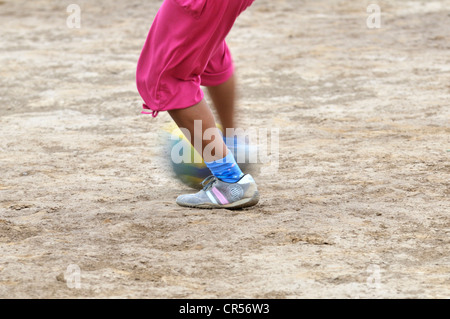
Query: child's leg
x=185, y=118
x=207, y=140
x=223, y=97
x=229, y=188
x=183, y=37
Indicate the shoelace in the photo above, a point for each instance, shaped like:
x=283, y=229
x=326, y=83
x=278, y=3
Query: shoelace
x=209, y=182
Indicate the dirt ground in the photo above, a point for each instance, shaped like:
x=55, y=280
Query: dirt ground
x=358, y=208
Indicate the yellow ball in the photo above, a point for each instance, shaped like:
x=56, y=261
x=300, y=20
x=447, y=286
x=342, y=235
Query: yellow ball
x=186, y=163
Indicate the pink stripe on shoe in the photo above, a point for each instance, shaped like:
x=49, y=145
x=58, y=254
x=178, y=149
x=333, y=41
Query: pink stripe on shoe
x=219, y=195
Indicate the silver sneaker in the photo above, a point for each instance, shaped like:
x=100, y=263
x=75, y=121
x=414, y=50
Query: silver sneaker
x=219, y=194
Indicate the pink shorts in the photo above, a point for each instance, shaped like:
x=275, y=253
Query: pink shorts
x=186, y=49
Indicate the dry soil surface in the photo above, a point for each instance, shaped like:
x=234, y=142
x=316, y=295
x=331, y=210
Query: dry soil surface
x=357, y=207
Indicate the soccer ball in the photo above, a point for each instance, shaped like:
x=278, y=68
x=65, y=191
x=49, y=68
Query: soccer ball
x=186, y=164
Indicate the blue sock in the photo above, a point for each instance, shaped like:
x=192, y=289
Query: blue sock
x=226, y=169
x=231, y=142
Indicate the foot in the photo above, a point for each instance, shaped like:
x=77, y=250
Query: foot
x=219, y=194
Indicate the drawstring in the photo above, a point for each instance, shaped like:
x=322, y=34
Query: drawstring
x=153, y=113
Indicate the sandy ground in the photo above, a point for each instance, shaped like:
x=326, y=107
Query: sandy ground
x=359, y=206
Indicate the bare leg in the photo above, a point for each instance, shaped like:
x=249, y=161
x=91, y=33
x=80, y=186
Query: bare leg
x=224, y=97
x=185, y=118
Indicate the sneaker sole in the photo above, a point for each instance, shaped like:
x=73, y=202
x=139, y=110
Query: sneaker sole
x=243, y=203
